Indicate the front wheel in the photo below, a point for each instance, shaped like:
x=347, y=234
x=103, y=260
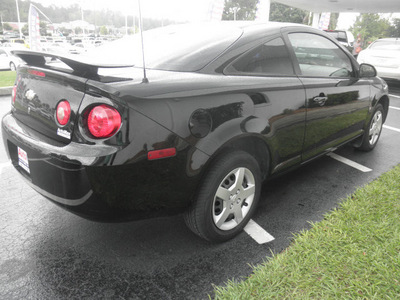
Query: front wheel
x=371, y=137
x=227, y=197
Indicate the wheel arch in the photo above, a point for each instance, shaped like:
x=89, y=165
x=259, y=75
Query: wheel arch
x=251, y=144
x=384, y=100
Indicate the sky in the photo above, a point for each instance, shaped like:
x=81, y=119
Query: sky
x=179, y=10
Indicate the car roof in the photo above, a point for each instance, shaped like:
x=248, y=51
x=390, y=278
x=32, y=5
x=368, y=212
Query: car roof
x=255, y=25
x=389, y=39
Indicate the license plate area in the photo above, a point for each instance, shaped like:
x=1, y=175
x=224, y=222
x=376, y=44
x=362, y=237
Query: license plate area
x=23, y=160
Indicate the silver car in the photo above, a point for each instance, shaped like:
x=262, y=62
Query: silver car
x=8, y=61
x=384, y=55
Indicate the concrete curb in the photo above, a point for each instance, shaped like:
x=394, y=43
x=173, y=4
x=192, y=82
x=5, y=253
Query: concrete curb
x=6, y=91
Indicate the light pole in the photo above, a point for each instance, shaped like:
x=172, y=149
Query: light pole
x=19, y=22
x=235, y=10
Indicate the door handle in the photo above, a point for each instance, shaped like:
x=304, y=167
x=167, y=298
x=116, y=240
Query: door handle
x=320, y=100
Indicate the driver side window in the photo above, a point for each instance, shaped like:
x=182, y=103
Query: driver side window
x=319, y=57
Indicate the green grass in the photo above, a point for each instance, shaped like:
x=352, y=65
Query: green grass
x=354, y=253
x=7, y=78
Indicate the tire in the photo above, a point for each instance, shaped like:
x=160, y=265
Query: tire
x=371, y=137
x=12, y=66
x=227, y=197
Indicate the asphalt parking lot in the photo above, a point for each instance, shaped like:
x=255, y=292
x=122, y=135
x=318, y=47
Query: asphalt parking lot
x=48, y=253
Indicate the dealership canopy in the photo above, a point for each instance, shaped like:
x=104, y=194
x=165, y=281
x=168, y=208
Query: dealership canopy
x=335, y=6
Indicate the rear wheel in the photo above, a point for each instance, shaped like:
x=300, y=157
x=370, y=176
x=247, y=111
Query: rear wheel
x=227, y=197
x=371, y=137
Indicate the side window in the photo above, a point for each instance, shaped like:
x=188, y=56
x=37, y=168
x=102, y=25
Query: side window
x=318, y=56
x=271, y=58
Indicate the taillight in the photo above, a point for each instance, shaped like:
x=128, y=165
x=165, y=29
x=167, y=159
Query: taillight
x=63, y=112
x=103, y=121
x=14, y=94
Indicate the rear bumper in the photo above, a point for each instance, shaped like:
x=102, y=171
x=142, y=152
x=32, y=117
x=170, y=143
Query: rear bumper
x=79, y=177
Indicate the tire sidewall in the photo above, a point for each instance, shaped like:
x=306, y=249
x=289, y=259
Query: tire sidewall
x=212, y=181
x=366, y=143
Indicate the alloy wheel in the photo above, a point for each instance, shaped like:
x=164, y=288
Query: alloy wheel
x=233, y=199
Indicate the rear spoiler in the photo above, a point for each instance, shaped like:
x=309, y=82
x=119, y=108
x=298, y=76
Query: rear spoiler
x=80, y=67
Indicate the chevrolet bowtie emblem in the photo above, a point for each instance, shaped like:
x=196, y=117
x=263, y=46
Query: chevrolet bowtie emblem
x=30, y=95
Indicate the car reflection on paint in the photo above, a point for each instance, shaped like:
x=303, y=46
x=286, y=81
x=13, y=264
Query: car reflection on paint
x=218, y=109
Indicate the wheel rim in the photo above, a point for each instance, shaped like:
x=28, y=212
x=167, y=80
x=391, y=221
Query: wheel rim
x=233, y=199
x=375, y=128
x=12, y=67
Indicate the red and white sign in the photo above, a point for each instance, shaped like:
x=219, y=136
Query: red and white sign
x=23, y=159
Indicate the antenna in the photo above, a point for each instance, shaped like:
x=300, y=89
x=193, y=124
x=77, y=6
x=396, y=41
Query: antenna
x=144, y=80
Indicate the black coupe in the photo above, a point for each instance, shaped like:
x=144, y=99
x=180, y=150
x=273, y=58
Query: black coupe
x=216, y=109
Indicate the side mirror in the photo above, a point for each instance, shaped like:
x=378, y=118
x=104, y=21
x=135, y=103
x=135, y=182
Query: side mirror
x=367, y=70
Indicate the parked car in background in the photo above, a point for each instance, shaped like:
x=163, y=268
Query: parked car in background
x=384, y=55
x=8, y=61
x=218, y=109
x=346, y=38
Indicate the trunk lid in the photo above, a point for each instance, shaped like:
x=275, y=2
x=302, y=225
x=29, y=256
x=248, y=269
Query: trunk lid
x=38, y=92
x=42, y=84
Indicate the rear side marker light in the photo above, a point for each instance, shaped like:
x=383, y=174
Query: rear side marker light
x=37, y=73
x=103, y=121
x=63, y=112
x=163, y=153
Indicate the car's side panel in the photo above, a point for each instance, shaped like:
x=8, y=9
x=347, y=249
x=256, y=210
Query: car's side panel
x=340, y=118
x=338, y=101
x=239, y=107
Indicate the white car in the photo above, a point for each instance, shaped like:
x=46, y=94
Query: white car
x=7, y=60
x=384, y=55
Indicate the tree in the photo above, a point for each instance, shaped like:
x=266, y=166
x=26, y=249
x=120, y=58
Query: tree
x=333, y=21
x=78, y=30
x=283, y=13
x=43, y=28
x=394, y=30
x=103, y=30
x=7, y=26
x=25, y=30
x=245, y=9
x=371, y=27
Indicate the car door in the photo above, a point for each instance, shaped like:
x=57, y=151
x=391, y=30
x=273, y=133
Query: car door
x=279, y=100
x=337, y=100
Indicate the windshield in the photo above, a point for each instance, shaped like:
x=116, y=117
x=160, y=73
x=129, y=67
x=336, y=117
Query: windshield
x=386, y=45
x=172, y=48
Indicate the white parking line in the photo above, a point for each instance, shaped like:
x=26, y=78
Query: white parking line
x=349, y=162
x=391, y=128
x=393, y=107
x=258, y=233
x=394, y=96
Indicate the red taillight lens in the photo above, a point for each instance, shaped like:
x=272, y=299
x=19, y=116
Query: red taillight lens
x=63, y=112
x=103, y=121
x=14, y=94
x=36, y=73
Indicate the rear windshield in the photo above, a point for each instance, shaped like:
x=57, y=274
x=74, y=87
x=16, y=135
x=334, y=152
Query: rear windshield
x=386, y=45
x=172, y=48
